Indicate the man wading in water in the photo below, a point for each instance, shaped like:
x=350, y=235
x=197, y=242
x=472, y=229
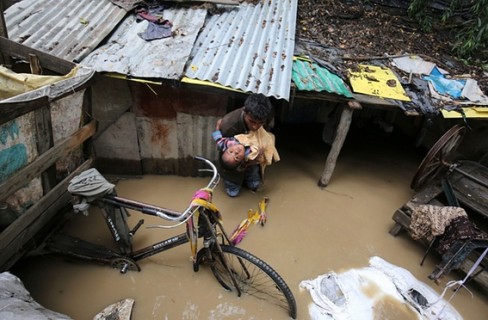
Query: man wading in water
x=256, y=113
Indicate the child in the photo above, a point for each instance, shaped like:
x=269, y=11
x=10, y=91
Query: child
x=244, y=150
x=233, y=154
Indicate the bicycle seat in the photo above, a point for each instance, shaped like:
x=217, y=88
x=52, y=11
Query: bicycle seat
x=90, y=184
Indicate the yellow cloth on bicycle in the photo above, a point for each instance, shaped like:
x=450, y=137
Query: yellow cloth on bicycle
x=205, y=204
x=193, y=223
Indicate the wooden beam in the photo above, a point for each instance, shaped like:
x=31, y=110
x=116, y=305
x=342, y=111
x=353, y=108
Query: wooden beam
x=35, y=64
x=45, y=141
x=324, y=96
x=12, y=110
x=342, y=130
x=367, y=99
x=44, y=131
x=14, y=239
x=46, y=160
x=48, y=61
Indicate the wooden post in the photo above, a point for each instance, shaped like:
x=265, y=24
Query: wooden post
x=342, y=130
x=44, y=130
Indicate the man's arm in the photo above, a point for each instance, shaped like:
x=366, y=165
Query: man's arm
x=222, y=142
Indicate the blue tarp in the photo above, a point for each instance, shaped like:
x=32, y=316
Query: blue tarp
x=445, y=86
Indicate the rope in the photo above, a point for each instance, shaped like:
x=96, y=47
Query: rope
x=460, y=283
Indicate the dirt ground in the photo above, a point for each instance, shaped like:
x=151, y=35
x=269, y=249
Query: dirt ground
x=362, y=32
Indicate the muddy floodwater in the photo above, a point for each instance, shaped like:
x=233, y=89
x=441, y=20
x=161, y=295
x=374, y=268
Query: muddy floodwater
x=310, y=231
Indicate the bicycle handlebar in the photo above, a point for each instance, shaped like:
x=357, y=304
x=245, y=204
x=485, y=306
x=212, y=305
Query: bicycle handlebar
x=215, y=174
x=191, y=209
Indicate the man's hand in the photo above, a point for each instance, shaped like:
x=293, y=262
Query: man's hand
x=217, y=126
x=261, y=158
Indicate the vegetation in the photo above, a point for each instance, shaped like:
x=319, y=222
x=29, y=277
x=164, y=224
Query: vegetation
x=467, y=21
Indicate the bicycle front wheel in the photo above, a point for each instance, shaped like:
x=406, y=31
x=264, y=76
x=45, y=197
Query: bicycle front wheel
x=252, y=275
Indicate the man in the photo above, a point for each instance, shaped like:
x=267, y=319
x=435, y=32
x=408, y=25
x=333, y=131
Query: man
x=256, y=113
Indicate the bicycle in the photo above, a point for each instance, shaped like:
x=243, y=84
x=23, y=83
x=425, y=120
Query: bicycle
x=235, y=269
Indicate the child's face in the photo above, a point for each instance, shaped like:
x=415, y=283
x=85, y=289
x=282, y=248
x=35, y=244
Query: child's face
x=234, y=154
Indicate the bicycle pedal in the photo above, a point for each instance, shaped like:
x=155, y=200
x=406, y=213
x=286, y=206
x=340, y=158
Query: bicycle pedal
x=124, y=264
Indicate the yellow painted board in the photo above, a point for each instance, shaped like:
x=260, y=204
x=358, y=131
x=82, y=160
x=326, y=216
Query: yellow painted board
x=377, y=81
x=125, y=77
x=480, y=109
x=207, y=83
x=469, y=112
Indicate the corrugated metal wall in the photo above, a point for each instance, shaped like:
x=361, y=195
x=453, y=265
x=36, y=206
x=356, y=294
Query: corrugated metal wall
x=170, y=126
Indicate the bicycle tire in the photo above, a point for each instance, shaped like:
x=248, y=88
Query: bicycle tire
x=254, y=276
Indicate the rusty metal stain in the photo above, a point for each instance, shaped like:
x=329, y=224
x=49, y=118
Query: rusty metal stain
x=160, y=133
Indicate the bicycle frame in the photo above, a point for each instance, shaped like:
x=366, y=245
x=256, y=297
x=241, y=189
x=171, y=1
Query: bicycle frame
x=235, y=269
x=144, y=208
x=114, y=212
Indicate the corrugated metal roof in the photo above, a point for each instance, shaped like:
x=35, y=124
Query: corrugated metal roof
x=309, y=76
x=249, y=47
x=127, y=53
x=68, y=29
x=246, y=47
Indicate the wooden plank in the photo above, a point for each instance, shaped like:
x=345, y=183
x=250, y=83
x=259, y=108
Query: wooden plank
x=470, y=186
x=342, y=130
x=46, y=160
x=367, y=99
x=9, y=47
x=45, y=141
x=12, y=110
x=396, y=229
x=35, y=64
x=426, y=194
x=481, y=278
x=402, y=222
x=402, y=218
x=15, y=237
x=324, y=96
x=44, y=131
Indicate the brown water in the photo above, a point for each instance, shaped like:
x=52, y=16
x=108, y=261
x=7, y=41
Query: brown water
x=310, y=231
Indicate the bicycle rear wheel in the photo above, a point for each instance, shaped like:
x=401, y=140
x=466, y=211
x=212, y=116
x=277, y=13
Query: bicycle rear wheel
x=253, y=276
